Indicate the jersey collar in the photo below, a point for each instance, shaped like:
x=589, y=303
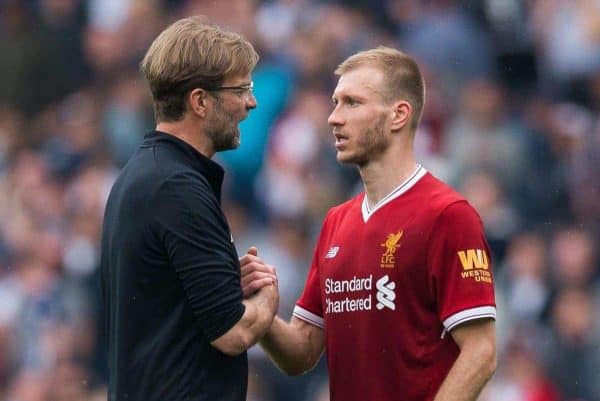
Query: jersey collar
x=367, y=211
x=210, y=169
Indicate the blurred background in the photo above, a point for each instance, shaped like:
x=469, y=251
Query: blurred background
x=512, y=120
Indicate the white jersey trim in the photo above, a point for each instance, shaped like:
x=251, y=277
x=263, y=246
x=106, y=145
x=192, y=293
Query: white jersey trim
x=308, y=317
x=399, y=190
x=481, y=312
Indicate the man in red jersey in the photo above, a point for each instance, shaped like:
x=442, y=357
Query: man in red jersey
x=400, y=292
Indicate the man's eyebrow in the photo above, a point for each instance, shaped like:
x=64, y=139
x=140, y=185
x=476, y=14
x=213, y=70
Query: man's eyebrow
x=347, y=96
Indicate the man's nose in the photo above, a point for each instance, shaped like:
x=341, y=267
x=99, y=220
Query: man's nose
x=251, y=102
x=335, y=118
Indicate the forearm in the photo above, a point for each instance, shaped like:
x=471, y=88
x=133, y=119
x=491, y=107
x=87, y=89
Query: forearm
x=294, y=347
x=469, y=374
x=258, y=316
x=256, y=320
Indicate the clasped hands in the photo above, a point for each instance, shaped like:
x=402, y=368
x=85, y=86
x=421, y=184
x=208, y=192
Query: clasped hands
x=256, y=274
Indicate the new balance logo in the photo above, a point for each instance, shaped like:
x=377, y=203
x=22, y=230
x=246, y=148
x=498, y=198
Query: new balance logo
x=332, y=252
x=385, y=293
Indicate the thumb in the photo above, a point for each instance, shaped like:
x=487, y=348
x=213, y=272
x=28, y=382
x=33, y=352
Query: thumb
x=253, y=251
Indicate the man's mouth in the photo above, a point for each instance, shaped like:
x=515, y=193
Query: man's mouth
x=340, y=140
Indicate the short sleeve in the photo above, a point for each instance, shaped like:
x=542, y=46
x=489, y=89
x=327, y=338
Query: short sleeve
x=460, y=270
x=194, y=232
x=309, y=307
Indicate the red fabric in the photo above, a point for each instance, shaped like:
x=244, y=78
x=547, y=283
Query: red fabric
x=375, y=352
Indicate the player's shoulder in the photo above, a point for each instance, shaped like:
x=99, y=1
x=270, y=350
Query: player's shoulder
x=440, y=195
x=438, y=190
x=351, y=206
x=446, y=202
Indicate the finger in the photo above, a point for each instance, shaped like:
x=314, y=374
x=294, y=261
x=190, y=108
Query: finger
x=256, y=285
x=255, y=266
x=261, y=267
x=253, y=251
x=250, y=257
x=256, y=276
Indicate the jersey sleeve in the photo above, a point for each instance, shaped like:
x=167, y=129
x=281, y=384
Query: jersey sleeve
x=460, y=271
x=194, y=232
x=309, y=307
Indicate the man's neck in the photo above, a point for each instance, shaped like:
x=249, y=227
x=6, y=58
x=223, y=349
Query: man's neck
x=188, y=132
x=380, y=177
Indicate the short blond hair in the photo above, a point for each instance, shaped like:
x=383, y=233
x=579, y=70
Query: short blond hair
x=192, y=54
x=402, y=78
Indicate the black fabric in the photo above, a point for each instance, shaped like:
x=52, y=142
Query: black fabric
x=170, y=279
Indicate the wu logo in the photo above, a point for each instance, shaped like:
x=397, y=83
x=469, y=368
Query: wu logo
x=388, y=258
x=473, y=258
x=385, y=293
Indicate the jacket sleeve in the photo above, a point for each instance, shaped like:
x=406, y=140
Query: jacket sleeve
x=196, y=237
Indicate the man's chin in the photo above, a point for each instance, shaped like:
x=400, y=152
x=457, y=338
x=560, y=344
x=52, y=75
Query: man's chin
x=229, y=146
x=232, y=144
x=347, y=158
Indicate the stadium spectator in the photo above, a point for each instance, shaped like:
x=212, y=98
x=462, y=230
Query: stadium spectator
x=483, y=190
x=522, y=376
x=524, y=277
x=572, y=350
x=484, y=135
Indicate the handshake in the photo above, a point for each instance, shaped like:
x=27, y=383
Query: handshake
x=294, y=347
x=261, y=301
x=257, y=274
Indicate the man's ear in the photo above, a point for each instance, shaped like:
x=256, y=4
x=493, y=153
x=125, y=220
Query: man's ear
x=197, y=101
x=401, y=115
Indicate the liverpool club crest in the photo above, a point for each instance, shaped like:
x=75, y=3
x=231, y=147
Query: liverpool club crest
x=388, y=258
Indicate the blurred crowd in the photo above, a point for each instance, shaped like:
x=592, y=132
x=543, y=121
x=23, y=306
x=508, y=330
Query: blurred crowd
x=512, y=120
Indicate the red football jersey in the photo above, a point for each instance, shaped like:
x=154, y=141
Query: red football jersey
x=386, y=284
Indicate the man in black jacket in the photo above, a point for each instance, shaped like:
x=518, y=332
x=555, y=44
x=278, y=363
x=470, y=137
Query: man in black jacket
x=177, y=322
